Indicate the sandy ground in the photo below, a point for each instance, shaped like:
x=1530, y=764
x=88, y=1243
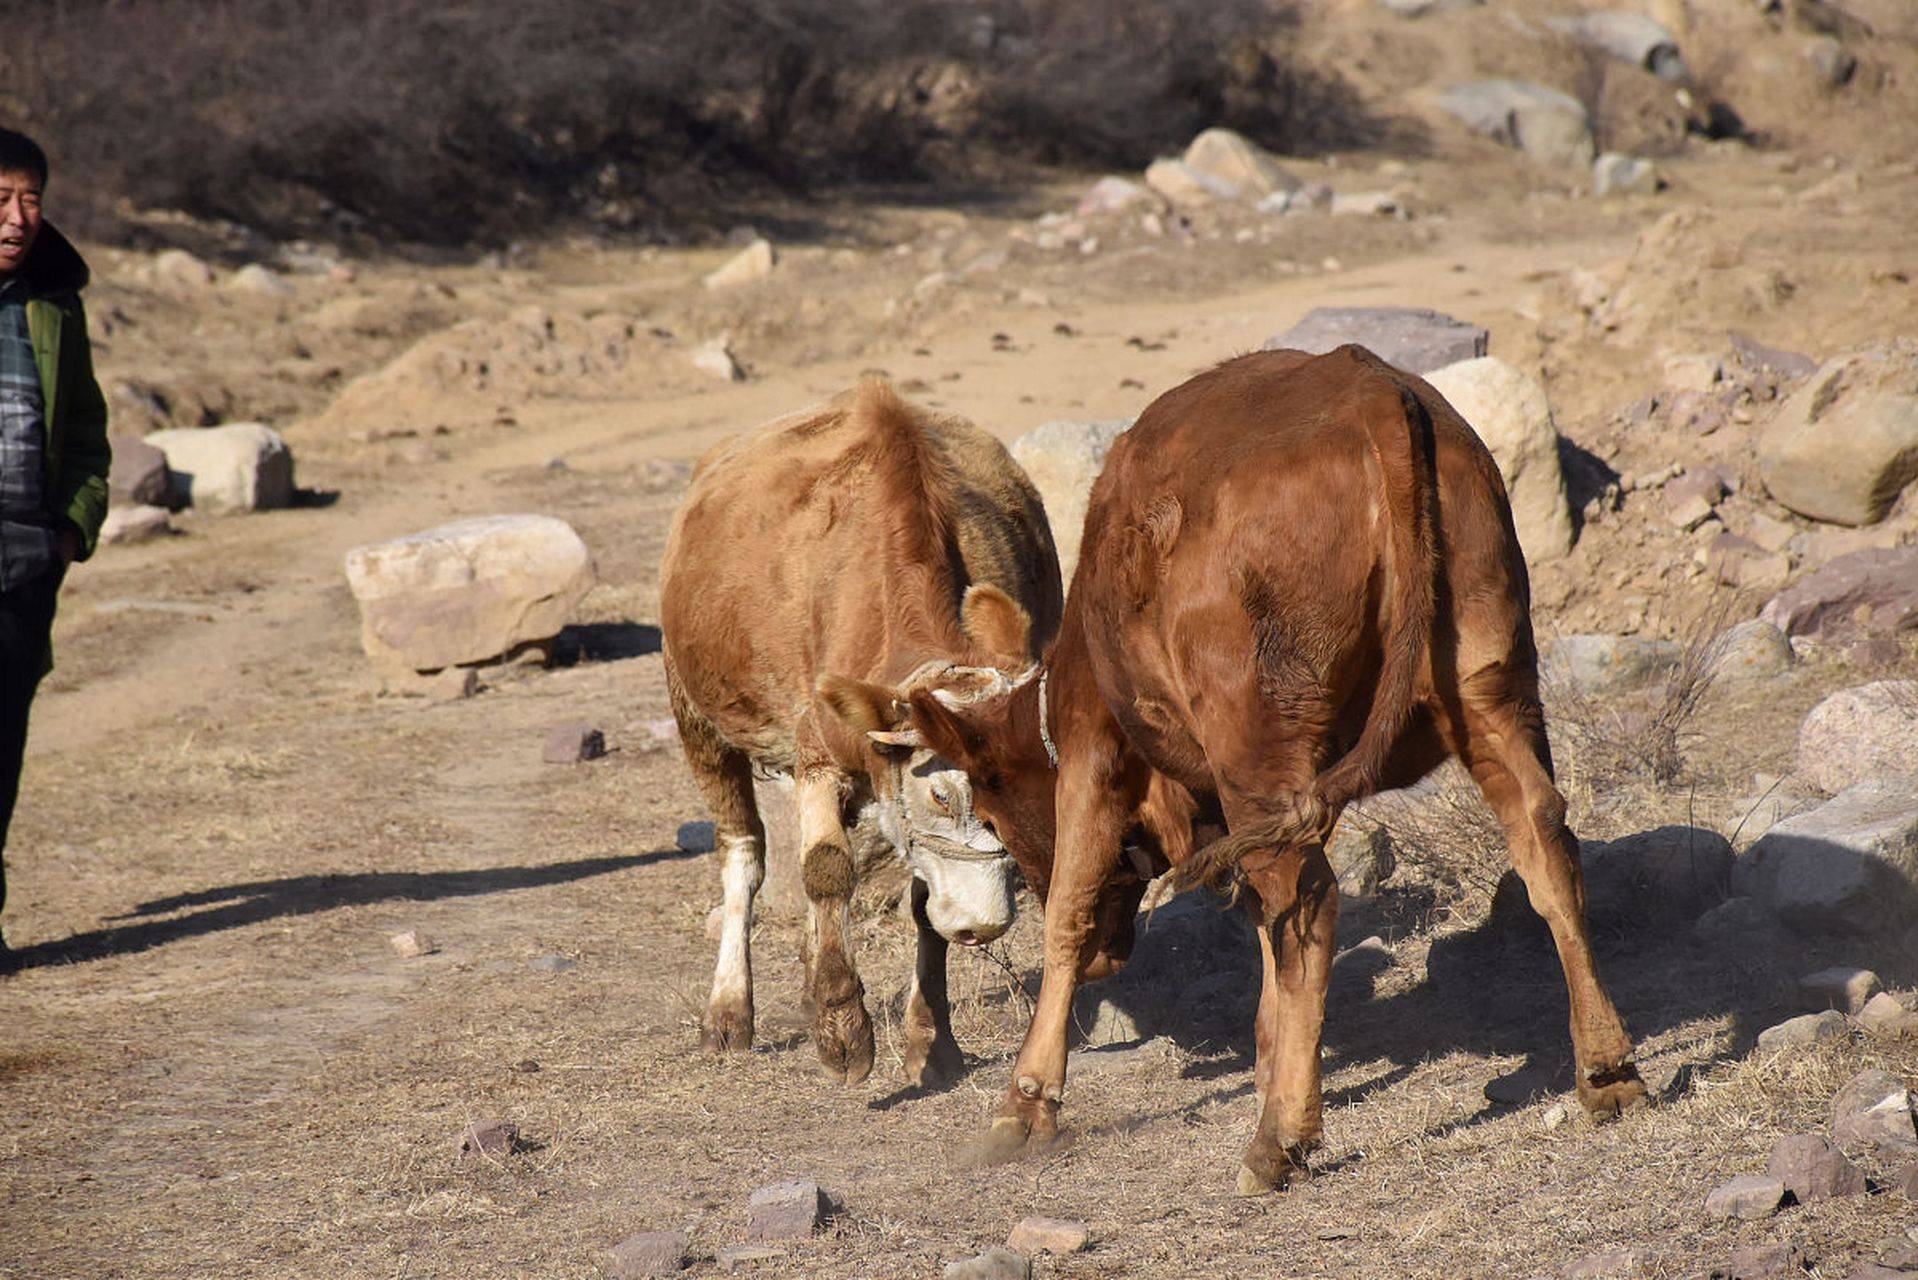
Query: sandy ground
x=217, y=1065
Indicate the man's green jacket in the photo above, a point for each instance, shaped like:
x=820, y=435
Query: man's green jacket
x=77, y=453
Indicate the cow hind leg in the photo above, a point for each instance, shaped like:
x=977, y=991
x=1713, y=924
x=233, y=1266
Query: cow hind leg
x=724, y=777
x=841, y=1027
x=1504, y=747
x=932, y=1051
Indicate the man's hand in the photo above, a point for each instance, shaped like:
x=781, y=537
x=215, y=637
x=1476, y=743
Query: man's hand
x=67, y=543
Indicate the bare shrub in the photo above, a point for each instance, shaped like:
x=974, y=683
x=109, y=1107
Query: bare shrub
x=484, y=120
x=1448, y=835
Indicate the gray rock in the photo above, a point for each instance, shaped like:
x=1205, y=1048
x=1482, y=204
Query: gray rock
x=573, y=744
x=1770, y=802
x=1620, y=175
x=1812, y=1169
x=1747, y=1197
x=1848, y=867
x=1841, y=987
x=1842, y=446
x=139, y=475
x=550, y=964
x=1765, y=1262
x=1549, y=126
x=1735, y=924
x=1857, y=734
x=1102, y=1022
x=243, y=466
x=1885, y=1015
x=1834, y=63
x=127, y=525
x=790, y=1210
x=467, y=592
x=996, y=1263
x=1155, y=1057
x=1756, y=356
x=1049, y=1235
x=1062, y=459
x=1874, y=1109
x=1596, y=664
x=1907, y=1182
x=1807, y=1028
x=737, y=1257
x=488, y=1138
x=1660, y=878
x=1511, y=413
x=647, y=1253
x=1752, y=650
x=1630, y=37
x=1613, y=1264
x=1415, y=339
x=696, y=837
x=1866, y=593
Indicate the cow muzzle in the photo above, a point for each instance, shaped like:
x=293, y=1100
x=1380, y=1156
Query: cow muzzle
x=969, y=895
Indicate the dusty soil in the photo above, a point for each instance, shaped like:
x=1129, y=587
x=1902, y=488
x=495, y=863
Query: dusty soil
x=218, y=1066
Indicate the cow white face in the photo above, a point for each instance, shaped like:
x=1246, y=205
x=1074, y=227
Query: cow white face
x=965, y=867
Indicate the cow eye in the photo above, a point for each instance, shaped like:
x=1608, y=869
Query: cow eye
x=939, y=798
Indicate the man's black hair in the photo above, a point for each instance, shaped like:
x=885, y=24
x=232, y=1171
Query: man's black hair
x=21, y=154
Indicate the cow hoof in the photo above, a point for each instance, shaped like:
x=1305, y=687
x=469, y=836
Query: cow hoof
x=728, y=1031
x=1609, y=1092
x=934, y=1064
x=843, y=1036
x=1262, y=1172
x=1253, y=1183
x=1003, y=1140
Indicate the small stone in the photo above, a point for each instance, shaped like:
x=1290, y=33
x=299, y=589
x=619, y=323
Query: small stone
x=1812, y=1169
x=1157, y=1053
x=1884, y=1015
x=736, y=1257
x=996, y=1263
x=1693, y=372
x=790, y=1210
x=452, y=684
x=647, y=1253
x=550, y=964
x=1810, y=1028
x=413, y=943
x=1616, y=175
x=1613, y=1264
x=1842, y=987
x=488, y=1138
x=573, y=744
x=260, y=280
x=716, y=358
x=1688, y=512
x=1555, y=1115
x=1765, y=1262
x=1873, y=1108
x=1049, y=1235
x=125, y=525
x=754, y=262
x=1748, y=1196
x=696, y=837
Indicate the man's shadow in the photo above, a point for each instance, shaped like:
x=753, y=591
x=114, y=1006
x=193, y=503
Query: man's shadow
x=236, y=906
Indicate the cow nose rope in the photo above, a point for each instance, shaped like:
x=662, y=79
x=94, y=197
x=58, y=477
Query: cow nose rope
x=936, y=846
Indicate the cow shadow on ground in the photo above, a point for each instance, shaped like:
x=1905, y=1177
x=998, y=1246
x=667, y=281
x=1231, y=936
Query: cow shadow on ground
x=606, y=642
x=189, y=915
x=1495, y=991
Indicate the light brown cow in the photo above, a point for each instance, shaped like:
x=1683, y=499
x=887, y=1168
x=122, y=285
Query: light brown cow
x=815, y=576
x=1300, y=582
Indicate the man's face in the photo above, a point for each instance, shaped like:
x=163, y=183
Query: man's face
x=19, y=219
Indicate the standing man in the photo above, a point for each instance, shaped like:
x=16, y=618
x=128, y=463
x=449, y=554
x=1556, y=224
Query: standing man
x=53, y=447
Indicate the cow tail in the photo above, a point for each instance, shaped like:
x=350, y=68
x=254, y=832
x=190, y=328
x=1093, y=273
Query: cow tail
x=1402, y=441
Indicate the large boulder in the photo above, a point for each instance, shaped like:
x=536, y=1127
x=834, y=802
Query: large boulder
x=1180, y=183
x=1841, y=447
x=1630, y=37
x=1653, y=879
x=1848, y=867
x=1858, y=595
x=1549, y=126
x=1509, y=410
x=1415, y=339
x=1235, y=160
x=468, y=591
x=138, y=477
x=243, y=466
x=1063, y=459
x=1857, y=734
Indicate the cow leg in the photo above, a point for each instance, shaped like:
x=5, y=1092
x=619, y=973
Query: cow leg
x=724, y=777
x=1505, y=748
x=1091, y=824
x=1298, y=913
x=932, y=1051
x=841, y=1028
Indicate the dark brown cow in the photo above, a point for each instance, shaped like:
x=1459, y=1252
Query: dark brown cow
x=1299, y=583
x=816, y=574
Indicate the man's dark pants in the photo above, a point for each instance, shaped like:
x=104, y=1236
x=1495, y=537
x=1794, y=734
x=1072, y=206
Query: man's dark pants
x=26, y=620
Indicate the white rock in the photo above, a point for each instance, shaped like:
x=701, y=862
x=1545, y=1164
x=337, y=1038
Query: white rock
x=1180, y=183
x=262, y=281
x=1113, y=194
x=1063, y=459
x=134, y=524
x=1549, y=126
x=468, y=591
x=1806, y=1028
x=1695, y=372
x=1234, y=160
x=1844, y=444
x=1509, y=410
x=1855, y=734
x=716, y=358
x=754, y=262
x=1617, y=175
x=243, y=466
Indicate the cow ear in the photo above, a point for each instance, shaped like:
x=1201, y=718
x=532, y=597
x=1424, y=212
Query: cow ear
x=865, y=708
x=945, y=730
x=996, y=623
